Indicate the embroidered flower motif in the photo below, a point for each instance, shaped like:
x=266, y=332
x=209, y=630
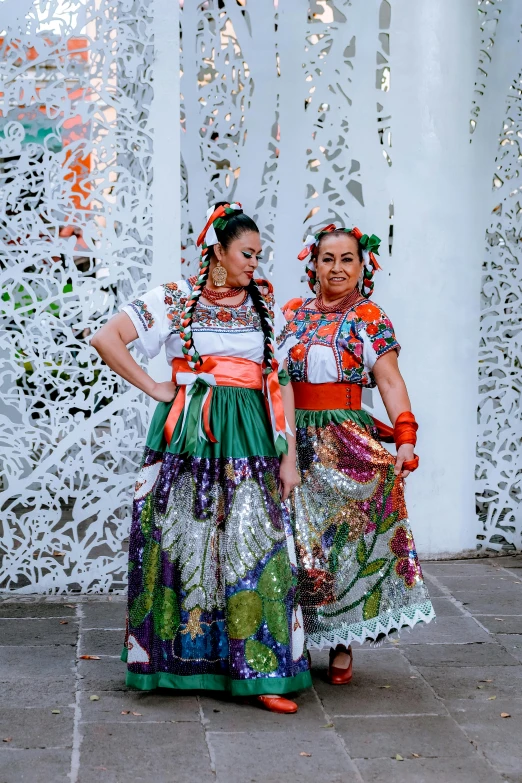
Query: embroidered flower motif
x=298, y=353
x=224, y=316
x=372, y=329
x=171, y=286
x=291, y=307
x=407, y=565
x=368, y=312
x=141, y=308
x=168, y=300
x=379, y=344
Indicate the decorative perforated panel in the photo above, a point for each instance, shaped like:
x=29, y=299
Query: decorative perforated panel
x=284, y=107
x=75, y=169
x=499, y=468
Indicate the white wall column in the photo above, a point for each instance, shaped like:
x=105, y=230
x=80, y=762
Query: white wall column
x=166, y=264
x=434, y=290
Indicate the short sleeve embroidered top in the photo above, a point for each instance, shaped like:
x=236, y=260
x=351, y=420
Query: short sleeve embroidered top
x=218, y=331
x=336, y=347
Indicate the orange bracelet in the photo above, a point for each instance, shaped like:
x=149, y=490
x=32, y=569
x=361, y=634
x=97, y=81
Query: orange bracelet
x=405, y=431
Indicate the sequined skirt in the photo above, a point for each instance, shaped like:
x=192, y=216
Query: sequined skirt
x=212, y=567
x=359, y=574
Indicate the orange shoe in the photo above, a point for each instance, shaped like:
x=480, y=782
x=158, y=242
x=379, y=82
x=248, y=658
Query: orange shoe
x=336, y=675
x=277, y=704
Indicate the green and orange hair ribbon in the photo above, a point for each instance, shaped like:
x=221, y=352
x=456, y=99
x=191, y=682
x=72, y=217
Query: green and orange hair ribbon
x=369, y=245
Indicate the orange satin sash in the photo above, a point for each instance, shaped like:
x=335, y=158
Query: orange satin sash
x=327, y=396
x=215, y=370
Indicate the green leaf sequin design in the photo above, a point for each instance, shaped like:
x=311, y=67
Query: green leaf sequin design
x=246, y=609
x=372, y=604
x=260, y=657
x=146, y=516
x=277, y=621
x=166, y=613
x=276, y=579
x=244, y=614
x=142, y=605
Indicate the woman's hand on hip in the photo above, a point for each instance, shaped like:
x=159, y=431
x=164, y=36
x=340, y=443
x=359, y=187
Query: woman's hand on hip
x=289, y=477
x=404, y=453
x=164, y=391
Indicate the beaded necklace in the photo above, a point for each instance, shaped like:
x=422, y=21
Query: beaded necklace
x=339, y=307
x=214, y=296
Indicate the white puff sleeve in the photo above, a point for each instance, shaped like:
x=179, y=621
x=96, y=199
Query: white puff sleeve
x=149, y=316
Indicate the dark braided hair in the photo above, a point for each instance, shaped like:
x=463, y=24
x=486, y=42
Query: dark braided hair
x=228, y=226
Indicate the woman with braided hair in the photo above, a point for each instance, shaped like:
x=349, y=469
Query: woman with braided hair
x=359, y=574
x=212, y=567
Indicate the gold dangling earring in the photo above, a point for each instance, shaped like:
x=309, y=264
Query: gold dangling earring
x=219, y=275
x=317, y=287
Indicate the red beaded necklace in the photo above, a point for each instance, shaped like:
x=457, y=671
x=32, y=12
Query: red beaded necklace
x=214, y=296
x=338, y=307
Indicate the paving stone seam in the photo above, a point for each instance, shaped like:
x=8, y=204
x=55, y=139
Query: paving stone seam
x=115, y=721
x=36, y=748
x=392, y=715
x=458, y=727
x=328, y=719
x=515, y=577
x=204, y=723
x=69, y=617
x=35, y=646
x=483, y=614
x=77, y=734
x=457, y=603
x=469, y=614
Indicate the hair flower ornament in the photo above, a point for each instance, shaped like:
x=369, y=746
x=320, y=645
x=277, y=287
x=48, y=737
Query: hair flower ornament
x=369, y=246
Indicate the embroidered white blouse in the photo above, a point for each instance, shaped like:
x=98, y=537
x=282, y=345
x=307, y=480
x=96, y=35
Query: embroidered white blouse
x=217, y=331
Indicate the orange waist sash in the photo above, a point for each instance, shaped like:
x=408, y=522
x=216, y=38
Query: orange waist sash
x=327, y=396
x=227, y=371
x=215, y=371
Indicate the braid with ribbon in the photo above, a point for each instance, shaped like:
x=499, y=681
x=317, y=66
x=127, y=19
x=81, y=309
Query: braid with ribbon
x=368, y=249
x=216, y=218
x=267, y=325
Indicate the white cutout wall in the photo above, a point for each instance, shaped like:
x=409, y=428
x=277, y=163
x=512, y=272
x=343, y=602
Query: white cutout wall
x=307, y=112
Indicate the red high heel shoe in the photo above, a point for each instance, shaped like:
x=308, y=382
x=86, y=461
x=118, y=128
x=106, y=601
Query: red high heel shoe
x=336, y=675
x=277, y=704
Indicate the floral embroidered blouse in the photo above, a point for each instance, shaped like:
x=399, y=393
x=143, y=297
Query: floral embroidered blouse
x=218, y=331
x=336, y=347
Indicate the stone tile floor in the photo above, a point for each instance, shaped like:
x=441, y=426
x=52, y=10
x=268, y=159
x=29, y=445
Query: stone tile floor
x=426, y=708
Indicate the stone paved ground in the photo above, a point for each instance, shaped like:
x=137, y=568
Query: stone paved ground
x=425, y=709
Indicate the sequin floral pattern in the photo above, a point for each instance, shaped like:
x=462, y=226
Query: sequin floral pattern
x=361, y=335
x=359, y=574
x=407, y=565
x=212, y=578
